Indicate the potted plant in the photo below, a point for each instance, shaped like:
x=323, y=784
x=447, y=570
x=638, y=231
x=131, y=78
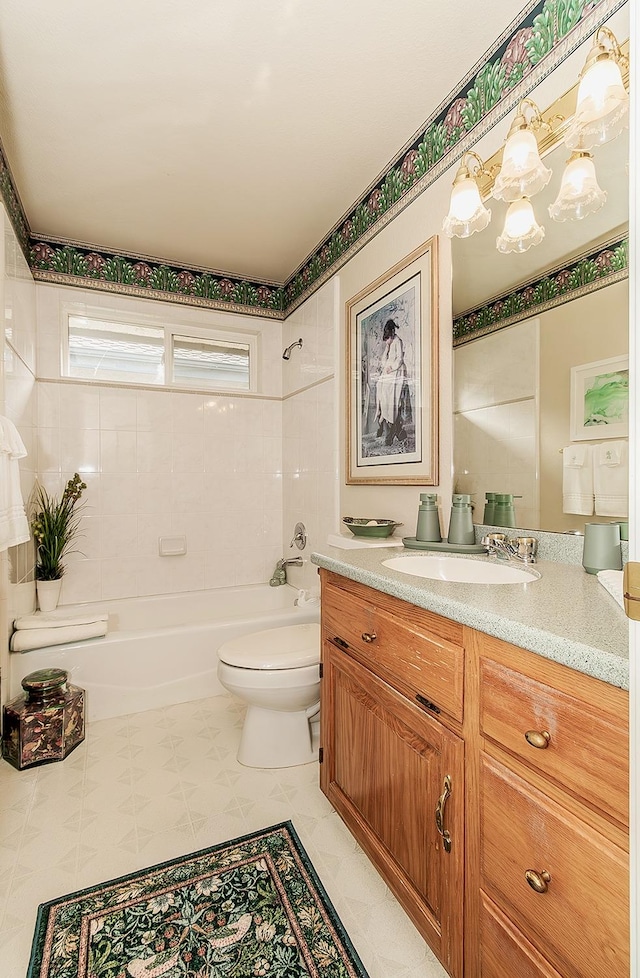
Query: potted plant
x=55, y=524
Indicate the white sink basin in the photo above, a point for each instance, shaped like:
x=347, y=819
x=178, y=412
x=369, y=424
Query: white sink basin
x=461, y=570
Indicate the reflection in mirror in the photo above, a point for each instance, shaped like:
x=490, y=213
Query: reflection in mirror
x=512, y=386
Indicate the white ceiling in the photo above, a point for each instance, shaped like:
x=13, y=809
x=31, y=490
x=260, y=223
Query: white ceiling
x=230, y=134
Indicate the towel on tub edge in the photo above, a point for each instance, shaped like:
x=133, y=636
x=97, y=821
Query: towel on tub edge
x=39, y=638
x=56, y=619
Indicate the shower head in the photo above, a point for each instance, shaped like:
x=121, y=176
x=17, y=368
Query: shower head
x=287, y=352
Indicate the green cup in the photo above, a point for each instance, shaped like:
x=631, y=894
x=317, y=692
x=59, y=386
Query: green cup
x=601, y=549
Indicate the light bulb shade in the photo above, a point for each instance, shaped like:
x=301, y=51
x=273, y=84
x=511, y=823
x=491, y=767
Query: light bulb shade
x=579, y=193
x=602, y=106
x=467, y=213
x=521, y=230
x=522, y=173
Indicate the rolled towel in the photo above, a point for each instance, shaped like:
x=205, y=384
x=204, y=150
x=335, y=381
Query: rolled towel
x=611, y=478
x=611, y=581
x=39, y=638
x=56, y=619
x=577, y=480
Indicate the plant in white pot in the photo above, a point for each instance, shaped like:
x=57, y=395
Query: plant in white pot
x=55, y=524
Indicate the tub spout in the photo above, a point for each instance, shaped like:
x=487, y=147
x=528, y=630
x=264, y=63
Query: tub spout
x=280, y=573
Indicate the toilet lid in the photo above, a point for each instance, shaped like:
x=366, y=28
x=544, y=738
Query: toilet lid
x=291, y=647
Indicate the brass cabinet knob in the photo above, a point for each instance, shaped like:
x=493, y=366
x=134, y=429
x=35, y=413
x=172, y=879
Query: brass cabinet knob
x=369, y=636
x=538, y=738
x=538, y=881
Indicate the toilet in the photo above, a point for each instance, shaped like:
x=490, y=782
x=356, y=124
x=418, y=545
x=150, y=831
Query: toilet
x=277, y=674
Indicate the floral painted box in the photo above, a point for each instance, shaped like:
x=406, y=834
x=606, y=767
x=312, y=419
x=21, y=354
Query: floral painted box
x=45, y=723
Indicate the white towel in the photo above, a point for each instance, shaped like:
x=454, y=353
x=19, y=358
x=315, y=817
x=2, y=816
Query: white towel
x=57, y=619
x=39, y=638
x=611, y=478
x=14, y=527
x=611, y=580
x=577, y=480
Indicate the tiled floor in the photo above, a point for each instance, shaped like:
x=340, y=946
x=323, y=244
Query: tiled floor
x=155, y=785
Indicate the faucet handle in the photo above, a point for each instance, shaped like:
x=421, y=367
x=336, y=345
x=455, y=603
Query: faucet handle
x=299, y=536
x=525, y=548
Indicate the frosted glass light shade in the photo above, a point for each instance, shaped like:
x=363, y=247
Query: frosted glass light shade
x=521, y=230
x=579, y=193
x=522, y=173
x=467, y=213
x=602, y=106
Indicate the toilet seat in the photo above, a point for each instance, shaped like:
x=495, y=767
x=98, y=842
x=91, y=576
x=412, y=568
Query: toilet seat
x=291, y=647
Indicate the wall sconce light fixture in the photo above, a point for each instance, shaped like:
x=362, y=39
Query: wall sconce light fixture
x=579, y=193
x=521, y=230
x=602, y=104
x=522, y=173
x=467, y=213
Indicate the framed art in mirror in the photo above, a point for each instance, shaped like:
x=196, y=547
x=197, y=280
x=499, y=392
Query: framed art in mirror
x=392, y=375
x=600, y=399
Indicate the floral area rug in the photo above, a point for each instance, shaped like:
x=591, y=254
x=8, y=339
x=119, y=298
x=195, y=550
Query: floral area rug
x=248, y=908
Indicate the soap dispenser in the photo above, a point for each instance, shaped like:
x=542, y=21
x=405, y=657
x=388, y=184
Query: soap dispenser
x=489, y=509
x=461, y=530
x=428, y=528
x=504, y=513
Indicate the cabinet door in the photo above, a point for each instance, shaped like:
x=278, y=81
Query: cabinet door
x=384, y=768
x=562, y=883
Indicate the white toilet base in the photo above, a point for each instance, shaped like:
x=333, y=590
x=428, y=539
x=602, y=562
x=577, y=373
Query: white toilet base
x=272, y=739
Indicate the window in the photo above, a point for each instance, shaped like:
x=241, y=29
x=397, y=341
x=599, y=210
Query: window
x=105, y=349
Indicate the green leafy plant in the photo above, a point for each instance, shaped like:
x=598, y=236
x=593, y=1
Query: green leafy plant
x=55, y=525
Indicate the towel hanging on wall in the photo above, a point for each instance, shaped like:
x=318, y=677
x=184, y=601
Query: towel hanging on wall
x=14, y=526
x=577, y=480
x=611, y=478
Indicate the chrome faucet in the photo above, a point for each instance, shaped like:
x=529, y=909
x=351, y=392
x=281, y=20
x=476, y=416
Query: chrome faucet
x=280, y=573
x=520, y=548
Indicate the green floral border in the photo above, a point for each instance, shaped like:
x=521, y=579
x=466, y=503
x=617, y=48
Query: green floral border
x=253, y=905
x=604, y=266
x=542, y=35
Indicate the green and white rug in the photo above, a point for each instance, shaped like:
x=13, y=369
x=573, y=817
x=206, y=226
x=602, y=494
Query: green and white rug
x=248, y=908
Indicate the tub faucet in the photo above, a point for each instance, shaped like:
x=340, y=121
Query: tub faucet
x=280, y=573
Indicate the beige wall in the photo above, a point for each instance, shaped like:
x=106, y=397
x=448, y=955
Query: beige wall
x=591, y=328
x=420, y=221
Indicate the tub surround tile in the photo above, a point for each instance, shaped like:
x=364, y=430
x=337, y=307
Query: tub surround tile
x=118, y=410
x=118, y=451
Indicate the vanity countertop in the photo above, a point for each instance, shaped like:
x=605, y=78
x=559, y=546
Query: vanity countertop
x=566, y=615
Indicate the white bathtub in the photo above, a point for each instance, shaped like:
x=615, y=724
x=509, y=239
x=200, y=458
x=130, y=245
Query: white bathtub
x=162, y=649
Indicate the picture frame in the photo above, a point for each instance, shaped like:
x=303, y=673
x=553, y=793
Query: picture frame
x=392, y=375
x=600, y=400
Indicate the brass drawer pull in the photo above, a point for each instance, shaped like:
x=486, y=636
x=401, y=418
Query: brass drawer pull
x=369, y=636
x=539, y=739
x=442, y=801
x=538, y=881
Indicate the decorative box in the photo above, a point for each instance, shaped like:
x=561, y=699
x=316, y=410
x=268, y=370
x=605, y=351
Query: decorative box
x=44, y=724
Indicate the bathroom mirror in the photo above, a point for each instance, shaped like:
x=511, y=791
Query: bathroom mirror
x=512, y=386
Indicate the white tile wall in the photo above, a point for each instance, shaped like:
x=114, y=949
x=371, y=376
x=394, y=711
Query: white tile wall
x=310, y=433
x=496, y=419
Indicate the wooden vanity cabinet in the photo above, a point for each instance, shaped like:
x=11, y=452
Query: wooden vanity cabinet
x=537, y=756
x=388, y=762
x=554, y=859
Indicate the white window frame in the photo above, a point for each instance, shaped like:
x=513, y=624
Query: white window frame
x=220, y=333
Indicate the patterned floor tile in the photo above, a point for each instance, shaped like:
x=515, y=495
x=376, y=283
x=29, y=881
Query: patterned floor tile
x=155, y=785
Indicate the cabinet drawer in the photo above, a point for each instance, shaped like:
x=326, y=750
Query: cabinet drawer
x=580, y=923
x=586, y=748
x=504, y=952
x=404, y=651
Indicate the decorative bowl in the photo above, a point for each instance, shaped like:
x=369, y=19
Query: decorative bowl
x=364, y=527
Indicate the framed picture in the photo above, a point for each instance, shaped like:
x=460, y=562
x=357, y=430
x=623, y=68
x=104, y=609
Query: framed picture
x=600, y=399
x=392, y=375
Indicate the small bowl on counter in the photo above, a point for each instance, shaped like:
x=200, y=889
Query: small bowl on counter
x=367, y=527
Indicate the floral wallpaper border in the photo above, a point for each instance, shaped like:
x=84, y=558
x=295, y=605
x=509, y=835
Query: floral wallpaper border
x=539, y=39
x=587, y=273
x=66, y=263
